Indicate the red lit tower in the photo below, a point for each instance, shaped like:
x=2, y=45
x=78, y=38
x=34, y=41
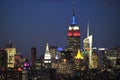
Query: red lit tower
x=73, y=42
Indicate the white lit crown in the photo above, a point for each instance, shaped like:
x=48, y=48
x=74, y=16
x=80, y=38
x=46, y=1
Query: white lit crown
x=73, y=28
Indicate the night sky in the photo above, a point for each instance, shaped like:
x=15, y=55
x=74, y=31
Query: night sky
x=32, y=23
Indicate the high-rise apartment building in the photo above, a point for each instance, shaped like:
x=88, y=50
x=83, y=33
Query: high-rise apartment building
x=73, y=37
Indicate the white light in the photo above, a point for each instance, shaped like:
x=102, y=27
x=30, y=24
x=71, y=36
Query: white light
x=70, y=28
x=76, y=28
x=47, y=56
x=101, y=49
x=56, y=57
x=47, y=61
x=73, y=28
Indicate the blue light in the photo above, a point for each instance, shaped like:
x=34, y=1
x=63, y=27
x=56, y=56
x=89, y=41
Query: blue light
x=59, y=49
x=73, y=20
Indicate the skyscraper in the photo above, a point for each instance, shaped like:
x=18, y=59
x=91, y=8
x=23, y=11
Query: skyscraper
x=88, y=46
x=47, y=57
x=11, y=51
x=33, y=56
x=73, y=37
x=53, y=50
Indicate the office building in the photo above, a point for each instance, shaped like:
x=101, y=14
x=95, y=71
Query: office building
x=87, y=42
x=47, y=57
x=73, y=37
x=18, y=60
x=11, y=51
x=53, y=50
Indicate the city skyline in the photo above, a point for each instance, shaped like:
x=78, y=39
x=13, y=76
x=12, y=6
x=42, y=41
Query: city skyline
x=33, y=23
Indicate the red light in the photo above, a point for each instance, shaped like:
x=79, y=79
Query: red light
x=76, y=33
x=73, y=33
x=19, y=69
x=3, y=69
x=70, y=33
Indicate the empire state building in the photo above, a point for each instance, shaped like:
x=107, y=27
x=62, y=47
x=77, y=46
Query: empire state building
x=73, y=37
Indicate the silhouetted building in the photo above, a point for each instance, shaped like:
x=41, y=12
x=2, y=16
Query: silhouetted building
x=38, y=64
x=3, y=60
x=33, y=56
x=18, y=60
x=102, y=58
x=67, y=55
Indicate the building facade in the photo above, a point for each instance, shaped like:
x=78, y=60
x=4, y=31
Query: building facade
x=112, y=56
x=73, y=37
x=53, y=50
x=11, y=51
x=47, y=57
x=87, y=43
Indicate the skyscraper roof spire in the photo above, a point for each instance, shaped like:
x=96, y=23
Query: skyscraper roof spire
x=9, y=44
x=47, y=48
x=88, y=29
x=73, y=9
x=47, y=56
x=79, y=56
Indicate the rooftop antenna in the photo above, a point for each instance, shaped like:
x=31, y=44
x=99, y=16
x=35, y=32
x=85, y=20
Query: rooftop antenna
x=88, y=29
x=10, y=41
x=73, y=9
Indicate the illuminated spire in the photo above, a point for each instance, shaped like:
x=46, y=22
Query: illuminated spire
x=88, y=29
x=73, y=17
x=79, y=56
x=47, y=53
x=47, y=48
x=10, y=41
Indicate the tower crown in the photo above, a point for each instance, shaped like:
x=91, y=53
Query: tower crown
x=79, y=56
x=47, y=53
